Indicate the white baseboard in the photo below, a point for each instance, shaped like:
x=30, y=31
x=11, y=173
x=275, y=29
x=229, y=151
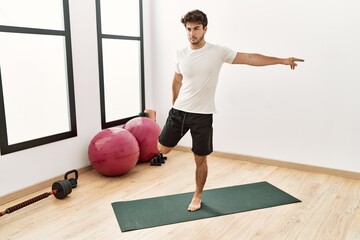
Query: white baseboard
x=283, y=164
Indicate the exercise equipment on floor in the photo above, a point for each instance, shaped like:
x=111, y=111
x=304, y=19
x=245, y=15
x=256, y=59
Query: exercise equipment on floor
x=134, y=214
x=60, y=189
x=113, y=151
x=158, y=160
x=146, y=131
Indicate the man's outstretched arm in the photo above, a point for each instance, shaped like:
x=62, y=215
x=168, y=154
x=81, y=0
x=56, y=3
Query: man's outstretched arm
x=254, y=59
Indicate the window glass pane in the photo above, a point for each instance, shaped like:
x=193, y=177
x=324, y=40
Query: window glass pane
x=120, y=17
x=44, y=14
x=35, y=89
x=121, y=61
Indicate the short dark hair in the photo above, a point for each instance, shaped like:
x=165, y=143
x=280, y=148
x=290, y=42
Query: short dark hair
x=196, y=16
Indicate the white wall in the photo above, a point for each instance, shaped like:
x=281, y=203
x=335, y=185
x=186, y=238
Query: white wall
x=310, y=115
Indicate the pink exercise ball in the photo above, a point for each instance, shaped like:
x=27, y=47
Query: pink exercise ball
x=113, y=151
x=146, y=132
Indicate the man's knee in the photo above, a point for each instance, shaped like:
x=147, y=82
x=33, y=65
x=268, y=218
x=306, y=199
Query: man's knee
x=163, y=149
x=200, y=160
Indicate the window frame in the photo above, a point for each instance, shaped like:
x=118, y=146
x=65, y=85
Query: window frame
x=7, y=148
x=100, y=37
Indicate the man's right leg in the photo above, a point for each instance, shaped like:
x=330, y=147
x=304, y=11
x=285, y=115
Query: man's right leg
x=163, y=149
x=172, y=131
x=160, y=158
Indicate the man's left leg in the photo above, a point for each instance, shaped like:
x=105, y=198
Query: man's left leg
x=201, y=131
x=200, y=176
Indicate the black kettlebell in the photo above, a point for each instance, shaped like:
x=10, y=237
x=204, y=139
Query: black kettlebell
x=64, y=187
x=73, y=181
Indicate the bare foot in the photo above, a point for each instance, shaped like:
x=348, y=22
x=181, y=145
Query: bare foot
x=195, y=204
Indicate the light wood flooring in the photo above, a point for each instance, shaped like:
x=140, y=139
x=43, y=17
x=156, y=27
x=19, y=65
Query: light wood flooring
x=330, y=207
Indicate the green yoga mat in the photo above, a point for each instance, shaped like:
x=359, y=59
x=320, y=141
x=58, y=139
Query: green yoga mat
x=158, y=211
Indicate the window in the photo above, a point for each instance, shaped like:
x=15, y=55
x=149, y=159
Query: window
x=121, y=65
x=37, y=103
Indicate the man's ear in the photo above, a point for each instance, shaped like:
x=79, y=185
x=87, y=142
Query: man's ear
x=205, y=28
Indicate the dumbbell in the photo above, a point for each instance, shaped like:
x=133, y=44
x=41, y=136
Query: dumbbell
x=60, y=189
x=64, y=187
x=158, y=160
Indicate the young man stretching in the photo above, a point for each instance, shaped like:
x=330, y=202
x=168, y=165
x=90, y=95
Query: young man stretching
x=196, y=75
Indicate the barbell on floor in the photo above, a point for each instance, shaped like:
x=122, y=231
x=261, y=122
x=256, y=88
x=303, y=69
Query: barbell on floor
x=60, y=189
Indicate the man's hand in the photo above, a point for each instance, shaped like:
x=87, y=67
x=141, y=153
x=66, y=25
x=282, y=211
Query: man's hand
x=292, y=62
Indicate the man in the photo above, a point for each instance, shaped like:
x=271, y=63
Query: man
x=194, y=83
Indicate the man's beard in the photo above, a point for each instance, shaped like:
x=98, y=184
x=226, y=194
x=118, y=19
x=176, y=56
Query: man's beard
x=197, y=41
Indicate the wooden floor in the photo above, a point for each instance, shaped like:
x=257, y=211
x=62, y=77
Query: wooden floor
x=330, y=207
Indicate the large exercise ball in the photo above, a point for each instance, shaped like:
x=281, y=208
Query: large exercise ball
x=113, y=151
x=146, y=132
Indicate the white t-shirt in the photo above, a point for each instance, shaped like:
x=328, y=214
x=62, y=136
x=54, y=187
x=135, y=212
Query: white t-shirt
x=200, y=69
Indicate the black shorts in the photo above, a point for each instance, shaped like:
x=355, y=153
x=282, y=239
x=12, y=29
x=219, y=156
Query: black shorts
x=200, y=125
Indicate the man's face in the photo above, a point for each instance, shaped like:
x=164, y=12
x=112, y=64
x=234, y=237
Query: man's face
x=195, y=33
